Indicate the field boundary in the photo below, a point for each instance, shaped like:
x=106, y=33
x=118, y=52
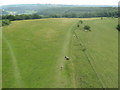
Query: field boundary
x=88, y=57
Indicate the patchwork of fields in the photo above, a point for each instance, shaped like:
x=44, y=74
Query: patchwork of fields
x=34, y=51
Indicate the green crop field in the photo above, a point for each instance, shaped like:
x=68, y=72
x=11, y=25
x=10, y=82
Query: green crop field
x=34, y=51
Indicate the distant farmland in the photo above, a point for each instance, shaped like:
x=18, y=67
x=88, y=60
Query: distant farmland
x=34, y=51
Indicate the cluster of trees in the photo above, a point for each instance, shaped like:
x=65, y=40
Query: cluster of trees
x=4, y=22
x=21, y=17
x=86, y=27
x=6, y=19
x=85, y=15
x=80, y=12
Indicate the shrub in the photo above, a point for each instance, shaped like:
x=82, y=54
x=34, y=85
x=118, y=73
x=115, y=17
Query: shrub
x=118, y=27
x=78, y=25
x=5, y=22
x=81, y=21
x=86, y=27
x=101, y=18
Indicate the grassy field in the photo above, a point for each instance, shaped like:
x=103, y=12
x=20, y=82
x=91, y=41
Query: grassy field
x=34, y=50
x=95, y=52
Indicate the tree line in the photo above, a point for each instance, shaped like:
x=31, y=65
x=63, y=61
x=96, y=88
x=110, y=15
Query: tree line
x=7, y=18
x=64, y=15
x=21, y=17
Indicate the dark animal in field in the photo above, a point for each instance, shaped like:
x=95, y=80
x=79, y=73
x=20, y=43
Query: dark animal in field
x=67, y=58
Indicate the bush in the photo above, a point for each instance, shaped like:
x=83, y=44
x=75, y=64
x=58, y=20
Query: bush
x=118, y=27
x=5, y=22
x=78, y=25
x=86, y=27
x=101, y=18
x=81, y=21
x=21, y=17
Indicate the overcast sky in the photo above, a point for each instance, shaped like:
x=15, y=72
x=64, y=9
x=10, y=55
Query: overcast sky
x=75, y=2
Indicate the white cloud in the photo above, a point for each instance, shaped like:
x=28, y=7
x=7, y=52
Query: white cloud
x=80, y=2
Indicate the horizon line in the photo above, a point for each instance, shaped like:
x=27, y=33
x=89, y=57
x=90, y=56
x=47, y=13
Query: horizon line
x=62, y=4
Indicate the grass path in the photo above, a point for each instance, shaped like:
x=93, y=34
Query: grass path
x=62, y=79
x=17, y=75
x=61, y=61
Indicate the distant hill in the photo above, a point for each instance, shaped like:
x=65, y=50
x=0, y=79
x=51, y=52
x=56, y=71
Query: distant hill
x=42, y=8
x=61, y=10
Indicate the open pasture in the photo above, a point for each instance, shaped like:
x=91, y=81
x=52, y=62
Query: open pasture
x=34, y=51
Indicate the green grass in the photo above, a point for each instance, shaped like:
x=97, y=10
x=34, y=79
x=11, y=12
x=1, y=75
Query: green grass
x=98, y=64
x=34, y=50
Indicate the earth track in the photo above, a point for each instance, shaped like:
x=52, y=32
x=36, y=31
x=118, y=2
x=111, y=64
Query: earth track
x=61, y=61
